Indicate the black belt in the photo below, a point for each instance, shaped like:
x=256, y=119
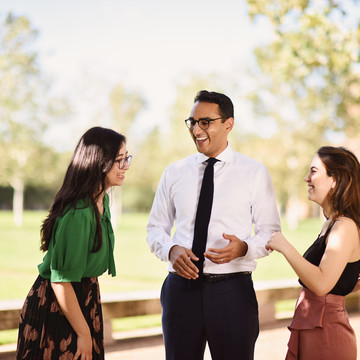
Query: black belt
x=214, y=278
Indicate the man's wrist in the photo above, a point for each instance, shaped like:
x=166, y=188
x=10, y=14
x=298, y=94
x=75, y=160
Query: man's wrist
x=246, y=247
x=170, y=250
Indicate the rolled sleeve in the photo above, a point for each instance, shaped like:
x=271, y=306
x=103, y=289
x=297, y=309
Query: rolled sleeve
x=161, y=221
x=265, y=216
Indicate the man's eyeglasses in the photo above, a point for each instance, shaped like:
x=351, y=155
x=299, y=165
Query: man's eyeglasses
x=124, y=162
x=203, y=123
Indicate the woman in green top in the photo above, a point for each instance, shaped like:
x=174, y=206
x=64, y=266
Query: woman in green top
x=61, y=317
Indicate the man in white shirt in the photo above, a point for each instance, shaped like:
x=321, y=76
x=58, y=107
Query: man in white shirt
x=216, y=304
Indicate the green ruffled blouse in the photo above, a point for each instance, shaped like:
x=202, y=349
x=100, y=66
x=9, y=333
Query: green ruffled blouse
x=69, y=257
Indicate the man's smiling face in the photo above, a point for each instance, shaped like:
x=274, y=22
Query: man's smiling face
x=212, y=141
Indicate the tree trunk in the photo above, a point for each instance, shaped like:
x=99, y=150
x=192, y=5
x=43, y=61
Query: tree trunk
x=292, y=213
x=18, y=201
x=116, y=206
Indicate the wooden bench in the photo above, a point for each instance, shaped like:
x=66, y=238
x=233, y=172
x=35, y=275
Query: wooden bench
x=120, y=305
x=10, y=314
x=269, y=293
x=117, y=305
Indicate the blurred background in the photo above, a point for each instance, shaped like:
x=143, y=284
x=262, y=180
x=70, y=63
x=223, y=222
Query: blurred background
x=291, y=68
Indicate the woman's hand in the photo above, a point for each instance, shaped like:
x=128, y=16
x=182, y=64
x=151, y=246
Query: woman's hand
x=69, y=304
x=84, y=347
x=277, y=242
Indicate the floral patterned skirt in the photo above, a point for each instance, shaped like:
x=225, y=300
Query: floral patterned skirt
x=44, y=331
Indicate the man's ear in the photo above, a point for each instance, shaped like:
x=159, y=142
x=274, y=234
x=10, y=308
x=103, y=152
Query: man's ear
x=229, y=123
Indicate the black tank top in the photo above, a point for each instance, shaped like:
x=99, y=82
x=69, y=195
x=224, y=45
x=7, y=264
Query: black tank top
x=348, y=278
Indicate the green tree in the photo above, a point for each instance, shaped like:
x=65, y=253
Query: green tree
x=145, y=173
x=125, y=106
x=25, y=110
x=308, y=80
x=179, y=143
x=164, y=144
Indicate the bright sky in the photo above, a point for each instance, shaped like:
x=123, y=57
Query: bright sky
x=87, y=46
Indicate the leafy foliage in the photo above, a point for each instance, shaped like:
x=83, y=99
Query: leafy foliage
x=25, y=111
x=308, y=80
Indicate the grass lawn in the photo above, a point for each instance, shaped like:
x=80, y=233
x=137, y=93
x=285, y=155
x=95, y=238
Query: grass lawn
x=137, y=268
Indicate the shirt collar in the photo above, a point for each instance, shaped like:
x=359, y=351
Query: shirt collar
x=225, y=156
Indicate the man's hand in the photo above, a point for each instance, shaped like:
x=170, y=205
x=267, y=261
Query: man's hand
x=180, y=258
x=236, y=248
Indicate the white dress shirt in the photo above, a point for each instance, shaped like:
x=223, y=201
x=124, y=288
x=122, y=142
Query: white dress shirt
x=244, y=205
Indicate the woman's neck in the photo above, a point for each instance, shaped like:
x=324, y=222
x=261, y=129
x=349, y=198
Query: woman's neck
x=327, y=211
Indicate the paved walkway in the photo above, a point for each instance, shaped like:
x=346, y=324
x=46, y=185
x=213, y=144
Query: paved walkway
x=271, y=345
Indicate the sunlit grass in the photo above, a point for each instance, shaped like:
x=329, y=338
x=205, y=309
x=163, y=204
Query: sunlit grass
x=136, y=322
x=137, y=268
x=8, y=336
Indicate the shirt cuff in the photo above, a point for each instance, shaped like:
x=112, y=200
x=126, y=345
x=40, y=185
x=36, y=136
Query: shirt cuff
x=166, y=251
x=253, y=251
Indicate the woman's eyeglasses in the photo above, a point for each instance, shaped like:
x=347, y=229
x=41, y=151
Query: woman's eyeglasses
x=125, y=162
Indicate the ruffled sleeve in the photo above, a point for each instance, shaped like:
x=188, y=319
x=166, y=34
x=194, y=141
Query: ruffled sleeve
x=72, y=242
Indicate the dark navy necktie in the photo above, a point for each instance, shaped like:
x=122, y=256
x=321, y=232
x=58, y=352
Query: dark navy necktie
x=203, y=214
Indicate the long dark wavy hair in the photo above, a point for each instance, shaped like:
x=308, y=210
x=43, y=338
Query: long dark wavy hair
x=93, y=158
x=344, y=167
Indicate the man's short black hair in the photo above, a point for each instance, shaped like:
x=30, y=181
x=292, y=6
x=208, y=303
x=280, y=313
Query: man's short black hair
x=225, y=104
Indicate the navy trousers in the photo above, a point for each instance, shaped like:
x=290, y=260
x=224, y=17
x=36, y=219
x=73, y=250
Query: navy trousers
x=224, y=314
